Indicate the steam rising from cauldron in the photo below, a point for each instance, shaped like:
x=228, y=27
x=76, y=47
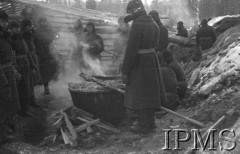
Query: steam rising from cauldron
x=62, y=49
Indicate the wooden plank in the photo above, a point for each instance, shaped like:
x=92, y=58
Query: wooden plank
x=70, y=126
x=86, y=125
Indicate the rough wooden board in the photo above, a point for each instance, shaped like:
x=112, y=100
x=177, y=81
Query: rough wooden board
x=102, y=125
x=64, y=136
x=86, y=125
x=70, y=126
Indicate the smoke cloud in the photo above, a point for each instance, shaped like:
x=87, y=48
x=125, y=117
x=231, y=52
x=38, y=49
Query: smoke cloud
x=178, y=10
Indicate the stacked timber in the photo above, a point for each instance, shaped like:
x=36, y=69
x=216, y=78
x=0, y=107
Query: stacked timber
x=74, y=124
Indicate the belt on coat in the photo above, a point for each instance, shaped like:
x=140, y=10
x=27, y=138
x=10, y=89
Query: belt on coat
x=7, y=65
x=146, y=51
x=21, y=56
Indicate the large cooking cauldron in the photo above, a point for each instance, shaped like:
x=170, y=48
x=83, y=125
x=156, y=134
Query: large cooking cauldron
x=105, y=104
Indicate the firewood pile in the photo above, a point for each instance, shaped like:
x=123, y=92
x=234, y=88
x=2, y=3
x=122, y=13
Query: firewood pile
x=73, y=124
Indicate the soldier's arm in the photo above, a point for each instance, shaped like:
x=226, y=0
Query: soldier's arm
x=132, y=48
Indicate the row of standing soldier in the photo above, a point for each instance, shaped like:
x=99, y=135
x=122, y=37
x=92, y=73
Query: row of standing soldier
x=25, y=61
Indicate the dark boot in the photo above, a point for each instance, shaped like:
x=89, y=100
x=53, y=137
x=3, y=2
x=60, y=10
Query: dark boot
x=6, y=135
x=25, y=107
x=143, y=126
x=151, y=119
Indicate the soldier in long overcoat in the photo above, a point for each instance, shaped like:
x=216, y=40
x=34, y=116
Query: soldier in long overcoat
x=9, y=102
x=43, y=37
x=27, y=35
x=140, y=70
x=206, y=35
x=23, y=66
x=163, y=38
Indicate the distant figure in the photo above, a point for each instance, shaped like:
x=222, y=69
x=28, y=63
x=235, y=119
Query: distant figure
x=182, y=31
x=27, y=35
x=194, y=29
x=175, y=65
x=29, y=13
x=9, y=102
x=77, y=56
x=206, y=35
x=163, y=38
x=48, y=66
x=95, y=42
x=120, y=44
x=24, y=65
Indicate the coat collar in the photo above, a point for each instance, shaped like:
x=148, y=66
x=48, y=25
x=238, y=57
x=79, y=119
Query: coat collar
x=145, y=18
x=142, y=16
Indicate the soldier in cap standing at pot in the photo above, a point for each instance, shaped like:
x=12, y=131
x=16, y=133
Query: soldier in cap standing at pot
x=140, y=70
x=9, y=102
x=163, y=38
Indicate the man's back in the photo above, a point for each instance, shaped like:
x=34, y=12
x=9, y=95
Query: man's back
x=205, y=37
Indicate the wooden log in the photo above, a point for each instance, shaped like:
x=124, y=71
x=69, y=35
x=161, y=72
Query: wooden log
x=64, y=136
x=86, y=125
x=70, y=126
x=180, y=40
x=100, y=124
x=105, y=126
x=58, y=121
